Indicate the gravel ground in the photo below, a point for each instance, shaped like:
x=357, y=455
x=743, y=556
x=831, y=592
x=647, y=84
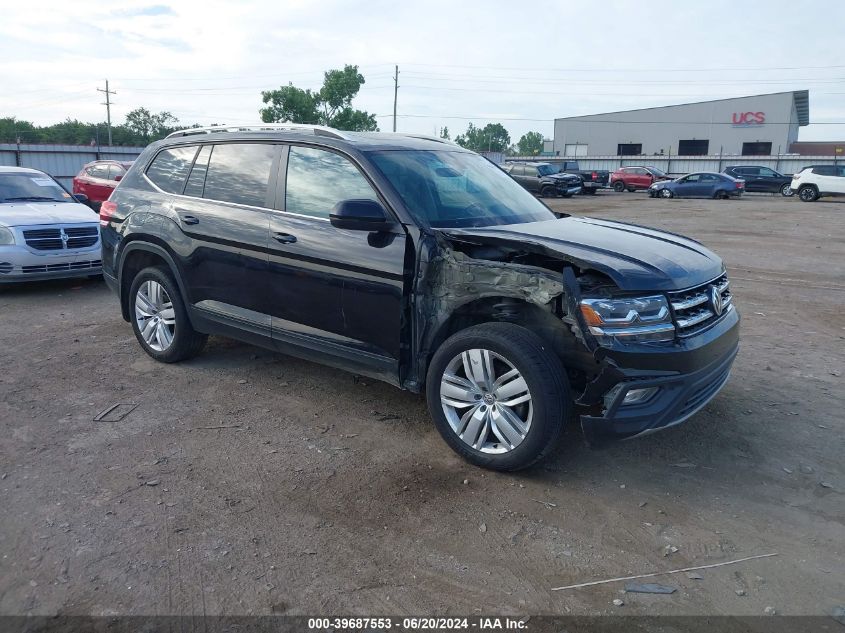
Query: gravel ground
x=249, y=482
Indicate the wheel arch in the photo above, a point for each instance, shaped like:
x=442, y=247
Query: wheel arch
x=138, y=254
x=504, y=309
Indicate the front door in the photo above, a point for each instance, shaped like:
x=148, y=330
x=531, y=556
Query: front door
x=335, y=292
x=690, y=186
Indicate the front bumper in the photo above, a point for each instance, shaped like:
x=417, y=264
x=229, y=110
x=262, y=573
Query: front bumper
x=685, y=379
x=569, y=190
x=20, y=264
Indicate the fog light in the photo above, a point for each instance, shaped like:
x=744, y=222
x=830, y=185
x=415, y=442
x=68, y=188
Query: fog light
x=636, y=396
x=5, y=268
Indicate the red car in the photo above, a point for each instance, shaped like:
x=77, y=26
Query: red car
x=98, y=179
x=633, y=178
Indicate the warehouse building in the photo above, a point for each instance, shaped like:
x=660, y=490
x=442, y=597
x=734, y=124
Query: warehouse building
x=749, y=126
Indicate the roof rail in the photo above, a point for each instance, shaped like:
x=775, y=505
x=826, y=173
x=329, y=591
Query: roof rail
x=318, y=130
x=436, y=139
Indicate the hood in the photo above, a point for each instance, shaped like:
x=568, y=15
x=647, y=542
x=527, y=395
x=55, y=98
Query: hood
x=26, y=213
x=563, y=176
x=635, y=257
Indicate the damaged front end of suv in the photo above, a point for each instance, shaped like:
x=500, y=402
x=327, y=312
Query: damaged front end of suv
x=642, y=321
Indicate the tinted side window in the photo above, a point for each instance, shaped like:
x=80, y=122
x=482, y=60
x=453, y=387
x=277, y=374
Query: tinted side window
x=240, y=173
x=170, y=168
x=317, y=180
x=196, y=181
x=115, y=170
x=825, y=170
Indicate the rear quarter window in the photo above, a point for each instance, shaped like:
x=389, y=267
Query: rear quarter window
x=170, y=168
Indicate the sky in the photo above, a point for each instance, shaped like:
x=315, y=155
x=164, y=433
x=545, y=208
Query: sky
x=521, y=64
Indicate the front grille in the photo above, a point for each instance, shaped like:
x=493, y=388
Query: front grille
x=61, y=238
x=694, y=309
x=67, y=266
x=44, y=239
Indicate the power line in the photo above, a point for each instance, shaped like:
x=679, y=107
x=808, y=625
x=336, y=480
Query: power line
x=628, y=70
x=498, y=118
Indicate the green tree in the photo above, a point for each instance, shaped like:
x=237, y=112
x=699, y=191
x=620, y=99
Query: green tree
x=530, y=143
x=331, y=105
x=12, y=129
x=444, y=133
x=492, y=137
x=148, y=127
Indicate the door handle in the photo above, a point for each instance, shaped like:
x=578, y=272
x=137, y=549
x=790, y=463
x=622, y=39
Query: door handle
x=190, y=219
x=284, y=238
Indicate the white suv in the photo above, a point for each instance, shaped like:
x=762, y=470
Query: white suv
x=816, y=181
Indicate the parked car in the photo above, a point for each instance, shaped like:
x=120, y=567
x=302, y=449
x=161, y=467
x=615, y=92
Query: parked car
x=698, y=185
x=817, y=181
x=761, y=179
x=45, y=233
x=98, y=179
x=419, y=263
x=591, y=179
x=633, y=178
x=544, y=179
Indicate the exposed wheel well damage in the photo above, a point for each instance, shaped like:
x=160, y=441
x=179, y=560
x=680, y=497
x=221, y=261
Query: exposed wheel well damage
x=462, y=285
x=134, y=262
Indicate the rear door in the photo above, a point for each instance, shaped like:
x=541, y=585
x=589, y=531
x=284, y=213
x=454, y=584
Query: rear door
x=826, y=179
x=97, y=185
x=222, y=209
x=333, y=291
x=770, y=180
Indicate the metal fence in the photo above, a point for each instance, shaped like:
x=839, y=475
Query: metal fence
x=784, y=163
x=62, y=162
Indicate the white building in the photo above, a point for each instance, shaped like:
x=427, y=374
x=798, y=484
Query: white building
x=749, y=126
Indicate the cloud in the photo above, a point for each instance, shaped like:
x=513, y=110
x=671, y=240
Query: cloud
x=154, y=10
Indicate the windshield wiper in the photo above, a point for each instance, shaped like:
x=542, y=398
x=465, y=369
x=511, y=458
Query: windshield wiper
x=30, y=198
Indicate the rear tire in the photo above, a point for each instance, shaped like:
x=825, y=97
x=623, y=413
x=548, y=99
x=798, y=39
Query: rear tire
x=167, y=333
x=786, y=191
x=467, y=388
x=808, y=193
x=619, y=186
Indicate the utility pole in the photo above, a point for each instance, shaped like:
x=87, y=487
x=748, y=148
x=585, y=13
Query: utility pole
x=108, y=106
x=395, y=95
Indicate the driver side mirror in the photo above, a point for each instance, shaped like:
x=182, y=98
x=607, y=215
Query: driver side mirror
x=360, y=215
x=81, y=197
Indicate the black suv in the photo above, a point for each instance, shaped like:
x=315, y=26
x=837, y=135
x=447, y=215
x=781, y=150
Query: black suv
x=422, y=264
x=544, y=179
x=761, y=179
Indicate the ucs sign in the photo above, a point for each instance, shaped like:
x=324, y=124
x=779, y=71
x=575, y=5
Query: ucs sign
x=748, y=118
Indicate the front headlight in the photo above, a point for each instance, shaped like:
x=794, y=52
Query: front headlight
x=629, y=319
x=7, y=238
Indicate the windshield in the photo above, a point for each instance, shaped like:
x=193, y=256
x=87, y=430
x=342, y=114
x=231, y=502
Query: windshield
x=444, y=189
x=31, y=187
x=548, y=170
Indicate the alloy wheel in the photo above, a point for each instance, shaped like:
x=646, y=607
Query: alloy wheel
x=154, y=315
x=486, y=401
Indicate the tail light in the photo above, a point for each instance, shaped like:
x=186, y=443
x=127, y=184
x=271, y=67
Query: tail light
x=739, y=185
x=107, y=210
x=595, y=175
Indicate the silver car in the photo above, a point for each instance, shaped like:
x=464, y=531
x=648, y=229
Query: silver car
x=45, y=232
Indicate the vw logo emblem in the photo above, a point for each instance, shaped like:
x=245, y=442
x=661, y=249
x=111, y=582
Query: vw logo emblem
x=716, y=300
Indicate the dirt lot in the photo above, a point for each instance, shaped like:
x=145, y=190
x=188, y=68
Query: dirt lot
x=248, y=482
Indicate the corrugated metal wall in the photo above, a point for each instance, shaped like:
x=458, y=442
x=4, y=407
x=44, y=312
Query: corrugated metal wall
x=785, y=164
x=62, y=162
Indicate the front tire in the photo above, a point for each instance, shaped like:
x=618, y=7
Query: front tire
x=547, y=192
x=665, y=193
x=808, y=194
x=159, y=318
x=498, y=396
